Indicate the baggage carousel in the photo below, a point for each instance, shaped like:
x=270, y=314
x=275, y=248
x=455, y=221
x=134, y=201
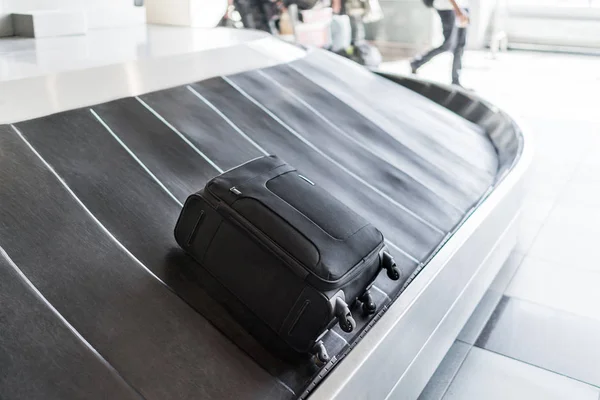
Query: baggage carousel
x=99, y=302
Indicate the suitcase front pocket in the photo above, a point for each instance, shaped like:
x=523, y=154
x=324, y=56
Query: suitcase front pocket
x=278, y=230
x=257, y=278
x=316, y=204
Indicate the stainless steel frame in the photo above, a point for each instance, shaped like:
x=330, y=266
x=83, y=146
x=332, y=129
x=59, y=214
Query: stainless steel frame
x=401, y=352
x=38, y=96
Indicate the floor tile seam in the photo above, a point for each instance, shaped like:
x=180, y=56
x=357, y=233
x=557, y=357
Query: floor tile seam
x=457, y=369
x=540, y=367
x=554, y=265
x=536, y=303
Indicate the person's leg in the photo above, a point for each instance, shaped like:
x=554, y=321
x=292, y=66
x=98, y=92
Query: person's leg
x=449, y=29
x=461, y=41
x=252, y=14
x=358, y=29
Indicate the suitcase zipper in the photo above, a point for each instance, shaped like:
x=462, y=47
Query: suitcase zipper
x=250, y=228
x=289, y=259
x=358, y=268
x=306, y=179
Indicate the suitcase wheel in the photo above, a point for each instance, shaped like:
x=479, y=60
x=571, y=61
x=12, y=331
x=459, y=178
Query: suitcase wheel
x=344, y=315
x=368, y=305
x=389, y=265
x=347, y=323
x=320, y=352
x=393, y=273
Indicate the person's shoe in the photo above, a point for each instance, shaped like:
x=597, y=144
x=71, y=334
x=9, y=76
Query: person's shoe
x=413, y=67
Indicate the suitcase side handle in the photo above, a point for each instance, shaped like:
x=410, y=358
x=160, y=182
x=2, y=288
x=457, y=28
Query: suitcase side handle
x=194, y=232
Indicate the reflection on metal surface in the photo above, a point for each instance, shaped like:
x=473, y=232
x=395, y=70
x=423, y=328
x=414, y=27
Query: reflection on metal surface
x=25, y=58
x=54, y=92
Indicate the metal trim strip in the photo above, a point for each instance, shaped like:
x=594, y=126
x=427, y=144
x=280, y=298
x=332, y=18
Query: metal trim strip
x=355, y=376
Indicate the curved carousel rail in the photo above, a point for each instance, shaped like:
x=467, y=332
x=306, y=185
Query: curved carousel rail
x=108, y=303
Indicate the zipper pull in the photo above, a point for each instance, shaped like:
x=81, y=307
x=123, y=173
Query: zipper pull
x=235, y=191
x=306, y=179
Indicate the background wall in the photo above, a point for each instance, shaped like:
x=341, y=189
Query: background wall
x=555, y=26
x=197, y=13
x=99, y=13
x=32, y=5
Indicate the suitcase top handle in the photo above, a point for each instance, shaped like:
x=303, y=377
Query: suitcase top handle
x=227, y=185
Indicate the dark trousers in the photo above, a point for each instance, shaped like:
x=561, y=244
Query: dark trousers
x=455, y=39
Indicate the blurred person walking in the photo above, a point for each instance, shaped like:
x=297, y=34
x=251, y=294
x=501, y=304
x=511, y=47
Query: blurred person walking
x=454, y=16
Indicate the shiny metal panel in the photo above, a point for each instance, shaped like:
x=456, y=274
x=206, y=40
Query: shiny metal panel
x=36, y=96
x=400, y=353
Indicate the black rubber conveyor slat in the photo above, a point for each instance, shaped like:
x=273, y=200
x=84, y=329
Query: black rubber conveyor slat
x=162, y=166
x=430, y=130
x=40, y=357
x=139, y=212
x=204, y=128
x=397, y=225
x=388, y=180
x=159, y=344
x=156, y=145
x=377, y=141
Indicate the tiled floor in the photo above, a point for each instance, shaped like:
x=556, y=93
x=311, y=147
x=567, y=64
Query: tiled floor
x=536, y=333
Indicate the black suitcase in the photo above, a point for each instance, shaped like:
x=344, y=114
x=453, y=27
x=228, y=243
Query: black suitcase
x=288, y=254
